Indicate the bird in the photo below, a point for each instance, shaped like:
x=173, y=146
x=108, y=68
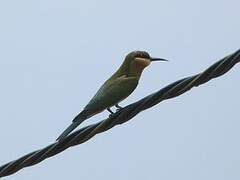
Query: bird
x=118, y=87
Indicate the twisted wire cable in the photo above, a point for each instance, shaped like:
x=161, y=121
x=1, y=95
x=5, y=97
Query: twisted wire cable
x=84, y=134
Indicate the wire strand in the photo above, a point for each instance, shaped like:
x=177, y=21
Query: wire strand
x=84, y=134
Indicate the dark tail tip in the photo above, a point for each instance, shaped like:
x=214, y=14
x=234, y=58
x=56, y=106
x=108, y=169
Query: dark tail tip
x=68, y=130
x=76, y=121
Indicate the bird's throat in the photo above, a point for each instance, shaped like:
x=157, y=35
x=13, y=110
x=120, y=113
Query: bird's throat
x=136, y=69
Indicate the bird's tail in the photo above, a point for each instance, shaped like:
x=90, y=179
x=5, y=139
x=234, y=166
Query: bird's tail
x=76, y=122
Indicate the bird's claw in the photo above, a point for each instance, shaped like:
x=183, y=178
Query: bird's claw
x=118, y=107
x=111, y=112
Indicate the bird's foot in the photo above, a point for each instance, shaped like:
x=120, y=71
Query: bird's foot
x=111, y=112
x=118, y=107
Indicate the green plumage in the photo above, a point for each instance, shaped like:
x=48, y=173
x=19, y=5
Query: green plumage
x=111, y=93
x=119, y=86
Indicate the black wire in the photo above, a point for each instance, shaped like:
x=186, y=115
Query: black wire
x=82, y=135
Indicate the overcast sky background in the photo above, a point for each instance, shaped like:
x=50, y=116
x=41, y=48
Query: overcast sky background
x=55, y=54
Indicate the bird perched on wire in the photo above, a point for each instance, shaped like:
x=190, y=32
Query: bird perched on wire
x=119, y=86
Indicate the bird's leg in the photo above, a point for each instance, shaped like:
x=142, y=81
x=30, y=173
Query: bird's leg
x=118, y=107
x=111, y=112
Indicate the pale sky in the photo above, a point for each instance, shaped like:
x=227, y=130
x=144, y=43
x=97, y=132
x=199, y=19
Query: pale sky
x=55, y=54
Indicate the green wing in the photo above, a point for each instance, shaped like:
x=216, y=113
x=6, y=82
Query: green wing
x=111, y=93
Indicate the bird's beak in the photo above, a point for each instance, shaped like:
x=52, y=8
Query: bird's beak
x=157, y=59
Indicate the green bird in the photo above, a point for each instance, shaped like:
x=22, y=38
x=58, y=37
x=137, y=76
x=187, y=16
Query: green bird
x=118, y=87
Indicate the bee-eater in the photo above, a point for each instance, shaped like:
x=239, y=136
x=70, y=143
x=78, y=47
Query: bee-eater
x=119, y=86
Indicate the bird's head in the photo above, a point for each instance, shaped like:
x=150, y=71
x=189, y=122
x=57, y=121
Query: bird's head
x=138, y=60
